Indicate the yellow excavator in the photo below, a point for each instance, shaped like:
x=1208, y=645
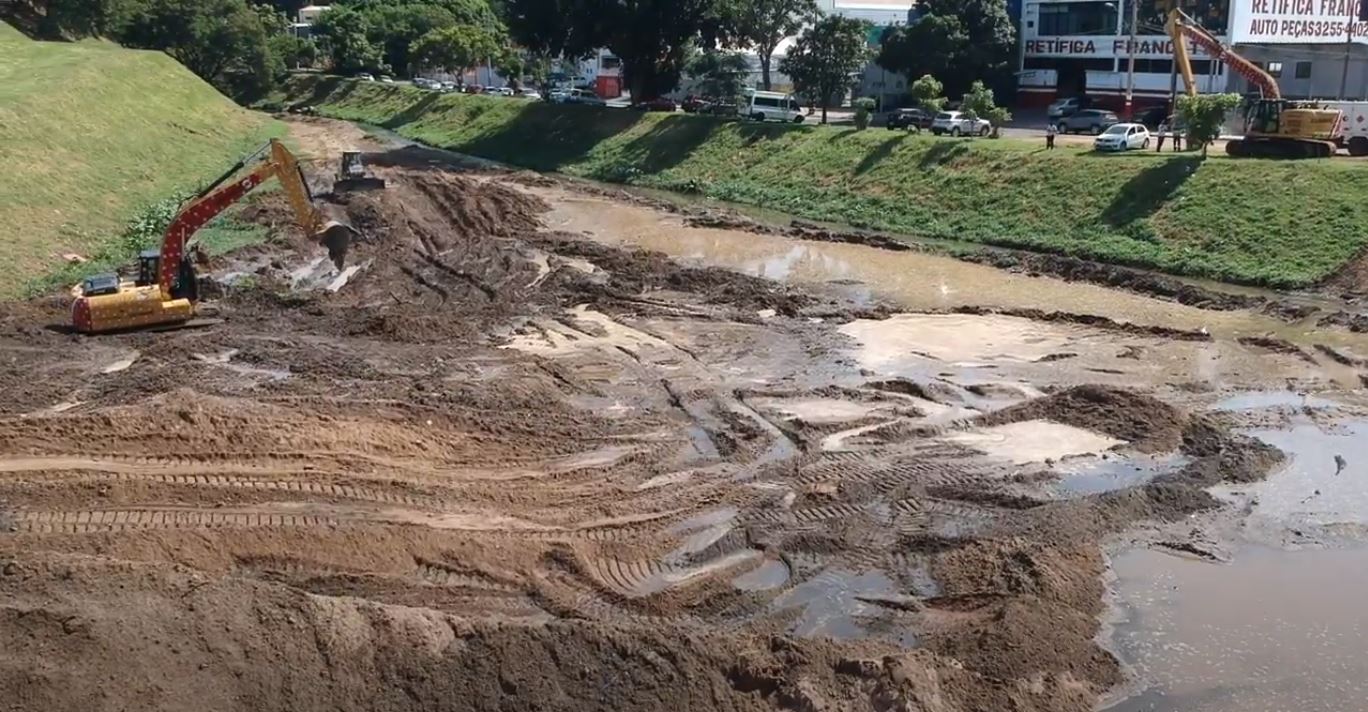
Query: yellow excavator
x=1274, y=127
x=166, y=288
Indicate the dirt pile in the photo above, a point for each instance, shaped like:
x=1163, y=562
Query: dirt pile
x=1146, y=423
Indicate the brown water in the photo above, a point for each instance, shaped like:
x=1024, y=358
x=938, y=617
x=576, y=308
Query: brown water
x=919, y=281
x=915, y=280
x=1271, y=631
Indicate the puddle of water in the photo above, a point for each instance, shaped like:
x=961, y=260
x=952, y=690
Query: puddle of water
x=963, y=340
x=913, y=279
x=1084, y=476
x=1254, y=400
x=1312, y=495
x=831, y=603
x=1033, y=441
x=819, y=410
x=767, y=576
x=1271, y=631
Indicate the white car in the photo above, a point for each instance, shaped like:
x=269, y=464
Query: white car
x=956, y=123
x=386, y=79
x=1122, y=137
x=1064, y=107
x=529, y=94
x=503, y=91
x=365, y=77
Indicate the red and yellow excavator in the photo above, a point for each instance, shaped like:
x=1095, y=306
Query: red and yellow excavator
x=1274, y=127
x=166, y=288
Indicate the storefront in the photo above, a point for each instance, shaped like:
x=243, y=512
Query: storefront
x=1084, y=48
x=1302, y=43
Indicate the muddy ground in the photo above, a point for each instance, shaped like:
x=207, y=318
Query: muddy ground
x=503, y=465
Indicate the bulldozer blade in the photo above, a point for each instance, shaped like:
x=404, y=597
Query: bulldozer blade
x=346, y=185
x=337, y=237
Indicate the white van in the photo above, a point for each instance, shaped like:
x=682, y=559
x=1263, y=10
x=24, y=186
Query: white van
x=770, y=105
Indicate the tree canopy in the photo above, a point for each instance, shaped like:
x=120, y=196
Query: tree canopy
x=959, y=41
x=720, y=74
x=762, y=24
x=456, y=48
x=824, y=59
x=652, y=37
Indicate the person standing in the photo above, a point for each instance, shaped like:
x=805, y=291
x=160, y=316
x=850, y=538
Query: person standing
x=1160, y=134
x=1049, y=136
x=1177, y=139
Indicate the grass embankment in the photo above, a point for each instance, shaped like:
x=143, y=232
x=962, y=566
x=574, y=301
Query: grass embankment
x=92, y=136
x=1283, y=224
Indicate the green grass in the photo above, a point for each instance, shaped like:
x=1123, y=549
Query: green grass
x=90, y=135
x=1275, y=223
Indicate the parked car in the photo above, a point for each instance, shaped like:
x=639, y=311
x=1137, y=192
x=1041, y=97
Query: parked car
x=957, y=123
x=450, y=86
x=1122, y=137
x=1067, y=106
x=584, y=96
x=557, y=96
x=1092, y=120
x=658, y=104
x=909, y=119
x=471, y=89
x=771, y=105
x=365, y=77
x=696, y=104
x=386, y=79
x=529, y=94
x=503, y=91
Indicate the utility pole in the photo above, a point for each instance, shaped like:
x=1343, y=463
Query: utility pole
x=1348, y=45
x=1130, y=68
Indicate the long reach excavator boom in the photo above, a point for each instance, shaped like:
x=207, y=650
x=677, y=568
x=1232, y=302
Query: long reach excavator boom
x=167, y=287
x=1274, y=127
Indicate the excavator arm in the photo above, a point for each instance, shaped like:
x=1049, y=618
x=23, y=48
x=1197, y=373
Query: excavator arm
x=278, y=163
x=1182, y=27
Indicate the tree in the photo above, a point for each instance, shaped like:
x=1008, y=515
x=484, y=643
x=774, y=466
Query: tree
x=77, y=18
x=763, y=24
x=720, y=74
x=824, y=58
x=225, y=42
x=960, y=41
x=928, y=94
x=978, y=103
x=455, y=49
x=931, y=45
x=1204, y=114
x=343, y=32
x=294, y=52
x=651, y=37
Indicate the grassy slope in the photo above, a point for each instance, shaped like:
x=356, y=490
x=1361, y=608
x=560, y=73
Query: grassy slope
x=1265, y=222
x=91, y=134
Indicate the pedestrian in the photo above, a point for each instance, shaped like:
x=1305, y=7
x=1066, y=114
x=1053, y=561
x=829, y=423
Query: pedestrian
x=1160, y=134
x=1177, y=140
x=1049, y=136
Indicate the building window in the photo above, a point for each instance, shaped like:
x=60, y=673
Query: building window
x=610, y=62
x=1275, y=69
x=1077, y=18
x=1303, y=70
x=1152, y=66
x=1067, y=63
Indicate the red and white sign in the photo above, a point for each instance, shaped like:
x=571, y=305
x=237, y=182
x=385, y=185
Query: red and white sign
x=1157, y=47
x=1295, y=21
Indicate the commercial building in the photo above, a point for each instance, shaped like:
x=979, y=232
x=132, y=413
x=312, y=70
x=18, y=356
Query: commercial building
x=1084, y=47
x=1303, y=44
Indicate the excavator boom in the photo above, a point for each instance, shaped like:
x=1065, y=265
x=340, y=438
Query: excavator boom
x=107, y=304
x=1274, y=127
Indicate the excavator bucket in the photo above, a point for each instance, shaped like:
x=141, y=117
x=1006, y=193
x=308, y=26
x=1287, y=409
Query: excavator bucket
x=337, y=237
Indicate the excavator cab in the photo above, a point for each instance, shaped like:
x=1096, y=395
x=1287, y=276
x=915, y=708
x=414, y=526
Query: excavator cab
x=184, y=286
x=353, y=175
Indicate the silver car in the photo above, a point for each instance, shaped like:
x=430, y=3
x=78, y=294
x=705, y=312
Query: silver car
x=1093, y=121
